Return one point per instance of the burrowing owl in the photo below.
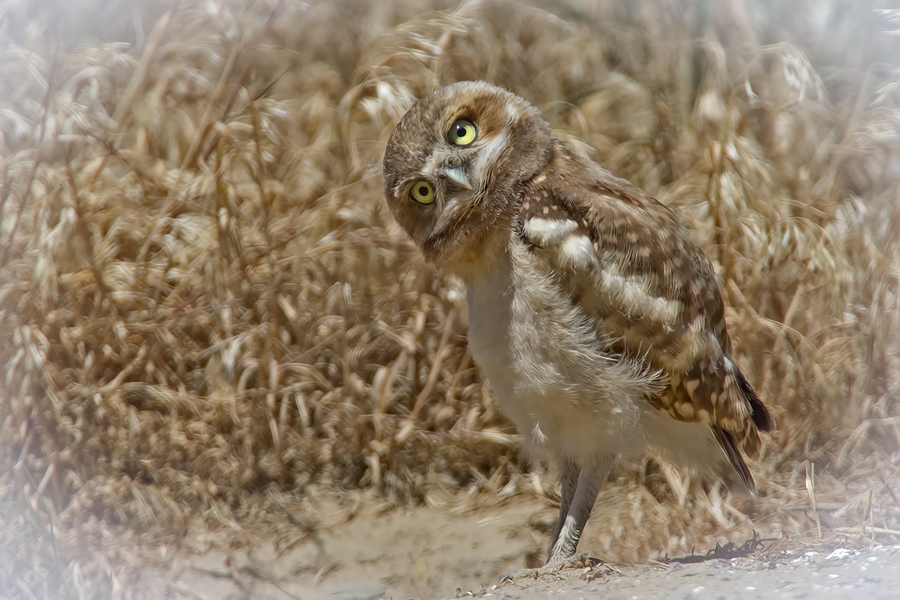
(594, 314)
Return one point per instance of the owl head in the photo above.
(454, 166)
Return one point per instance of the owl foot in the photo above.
(579, 561)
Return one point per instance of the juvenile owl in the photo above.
(594, 314)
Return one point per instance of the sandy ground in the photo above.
(417, 552)
(840, 574)
(427, 553)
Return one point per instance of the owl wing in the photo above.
(634, 268)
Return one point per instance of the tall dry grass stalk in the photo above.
(205, 305)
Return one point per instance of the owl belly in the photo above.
(549, 373)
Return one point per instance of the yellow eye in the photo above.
(463, 132)
(422, 192)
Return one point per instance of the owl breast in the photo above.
(555, 379)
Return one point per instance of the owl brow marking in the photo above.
(487, 156)
(511, 112)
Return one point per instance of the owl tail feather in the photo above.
(736, 476)
(762, 417)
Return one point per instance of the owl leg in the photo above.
(580, 486)
(568, 481)
(590, 480)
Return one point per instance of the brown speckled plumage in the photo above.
(638, 239)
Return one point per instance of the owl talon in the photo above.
(579, 561)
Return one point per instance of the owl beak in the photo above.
(459, 176)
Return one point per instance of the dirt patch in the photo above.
(418, 552)
(430, 552)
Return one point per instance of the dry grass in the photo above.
(204, 304)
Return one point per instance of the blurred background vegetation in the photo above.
(206, 310)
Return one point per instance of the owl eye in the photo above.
(422, 192)
(463, 132)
